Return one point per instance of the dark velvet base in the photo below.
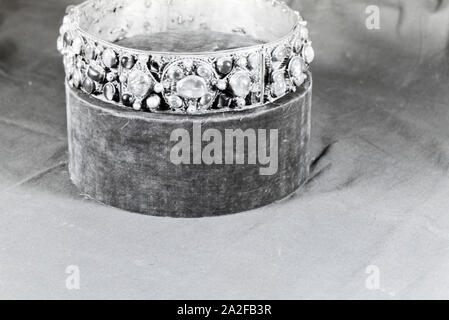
(122, 158)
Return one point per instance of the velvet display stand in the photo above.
(122, 158)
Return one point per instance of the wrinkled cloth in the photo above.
(378, 197)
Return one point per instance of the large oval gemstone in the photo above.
(139, 83)
(191, 87)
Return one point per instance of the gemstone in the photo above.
(204, 72)
(158, 88)
(296, 67)
(175, 102)
(175, 73)
(255, 61)
(77, 45)
(89, 52)
(127, 99)
(110, 91)
(308, 53)
(304, 33)
(188, 64)
(224, 65)
(206, 99)
(128, 62)
(279, 86)
(240, 102)
(300, 80)
(89, 85)
(111, 76)
(240, 84)
(68, 39)
(153, 102)
(77, 79)
(109, 58)
(280, 53)
(96, 73)
(242, 62)
(139, 83)
(222, 84)
(192, 108)
(60, 44)
(191, 87)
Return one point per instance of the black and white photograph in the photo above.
(224, 150)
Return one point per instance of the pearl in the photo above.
(128, 99)
(137, 105)
(139, 83)
(175, 102)
(128, 62)
(241, 84)
(224, 65)
(204, 72)
(158, 87)
(308, 53)
(110, 91)
(109, 58)
(89, 85)
(222, 85)
(153, 102)
(96, 73)
(191, 87)
(206, 99)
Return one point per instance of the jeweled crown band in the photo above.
(192, 82)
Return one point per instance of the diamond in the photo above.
(191, 87)
(139, 83)
(241, 84)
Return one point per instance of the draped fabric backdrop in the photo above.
(378, 198)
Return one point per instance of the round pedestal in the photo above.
(188, 165)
